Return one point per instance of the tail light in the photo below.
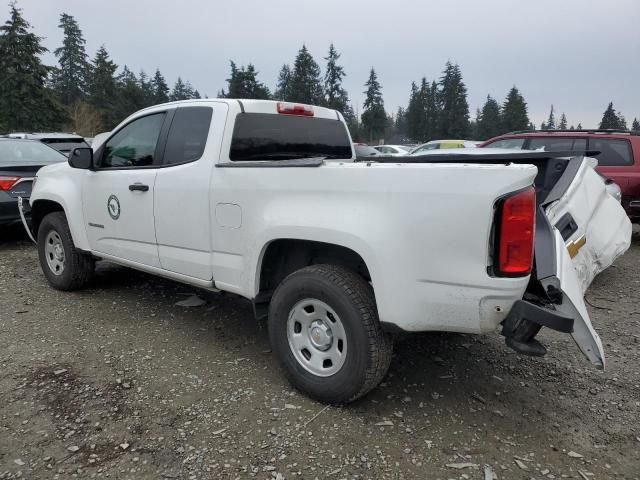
(516, 233)
(7, 182)
(295, 109)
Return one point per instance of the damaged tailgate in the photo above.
(581, 230)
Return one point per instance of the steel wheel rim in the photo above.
(54, 252)
(317, 337)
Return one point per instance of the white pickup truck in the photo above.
(266, 200)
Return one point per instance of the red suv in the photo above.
(619, 157)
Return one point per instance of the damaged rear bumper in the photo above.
(525, 321)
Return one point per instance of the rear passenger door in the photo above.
(182, 194)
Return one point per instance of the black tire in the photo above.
(78, 266)
(369, 349)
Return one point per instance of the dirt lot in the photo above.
(117, 381)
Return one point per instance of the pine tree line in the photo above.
(91, 95)
(80, 94)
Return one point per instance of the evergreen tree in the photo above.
(335, 95)
(180, 91)
(563, 122)
(453, 106)
(189, 91)
(489, 120)
(101, 87)
(374, 118)
(130, 96)
(635, 126)
(69, 80)
(432, 111)
(146, 89)
(415, 114)
(611, 119)
(159, 88)
(622, 122)
(543, 126)
(400, 125)
(305, 83)
(243, 83)
(551, 121)
(25, 101)
(514, 113)
(579, 127)
(283, 87)
(572, 127)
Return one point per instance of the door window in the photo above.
(188, 135)
(135, 144)
(558, 144)
(516, 143)
(613, 151)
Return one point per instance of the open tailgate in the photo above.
(589, 229)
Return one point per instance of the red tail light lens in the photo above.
(517, 226)
(295, 109)
(7, 182)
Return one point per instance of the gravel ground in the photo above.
(117, 381)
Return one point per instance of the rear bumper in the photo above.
(525, 321)
(9, 213)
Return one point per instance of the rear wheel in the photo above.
(324, 331)
(64, 266)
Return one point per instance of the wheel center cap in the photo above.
(58, 252)
(320, 335)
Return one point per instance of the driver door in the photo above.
(118, 194)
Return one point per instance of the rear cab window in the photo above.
(264, 136)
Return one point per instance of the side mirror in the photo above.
(81, 158)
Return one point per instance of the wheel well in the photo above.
(39, 210)
(285, 256)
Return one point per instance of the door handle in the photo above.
(139, 187)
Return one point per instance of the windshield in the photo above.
(18, 152)
(263, 136)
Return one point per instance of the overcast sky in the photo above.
(577, 54)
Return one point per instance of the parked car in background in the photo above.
(63, 142)
(363, 150)
(618, 155)
(19, 162)
(392, 150)
(443, 144)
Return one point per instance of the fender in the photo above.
(62, 185)
(312, 234)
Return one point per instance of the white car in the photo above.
(392, 150)
(264, 199)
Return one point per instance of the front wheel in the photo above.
(64, 266)
(324, 331)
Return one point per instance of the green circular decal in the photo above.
(113, 207)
